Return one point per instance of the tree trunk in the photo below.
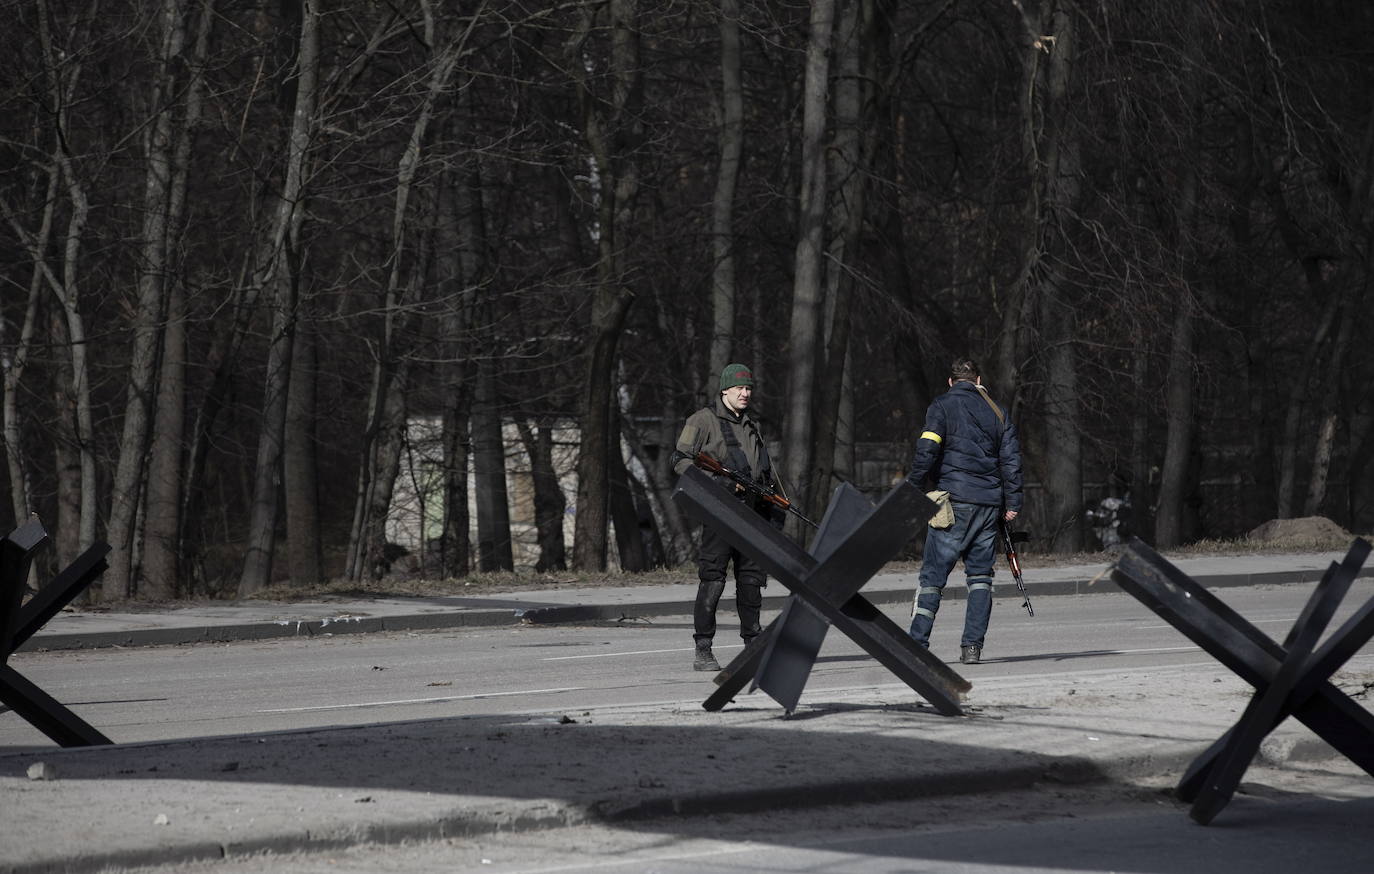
(389, 445)
(1321, 463)
(611, 136)
(723, 202)
(804, 334)
(221, 361)
(300, 463)
(1063, 424)
(456, 543)
(650, 541)
(455, 546)
(909, 337)
(266, 495)
(13, 363)
(489, 468)
(160, 577)
(161, 568)
(151, 309)
(629, 540)
(550, 505)
(494, 549)
(365, 537)
(1357, 489)
(849, 163)
(1352, 282)
(67, 453)
(1051, 159)
(1178, 441)
(1301, 378)
(661, 480)
(1180, 415)
(1329, 404)
(281, 274)
(1018, 303)
(593, 462)
(1045, 69)
(1141, 488)
(386, 434)
(68, 293)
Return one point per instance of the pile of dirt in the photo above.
(1309, 531)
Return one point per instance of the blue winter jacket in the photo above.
(968, 452)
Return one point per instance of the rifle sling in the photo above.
(739, 458)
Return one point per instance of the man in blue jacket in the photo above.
(971, 450)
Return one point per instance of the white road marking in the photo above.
(424, 700)
(609, 655)
(647, 856)
(1154, 649)
(1251, 621)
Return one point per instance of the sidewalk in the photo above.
(256, 620)
(210, 798)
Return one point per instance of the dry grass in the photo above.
(401, 586)
(414, 586)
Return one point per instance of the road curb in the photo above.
(269, 630)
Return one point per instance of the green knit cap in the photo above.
(736, 374)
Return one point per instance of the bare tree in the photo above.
(300, 459)
(549, 501)
(1178, 444)
(489, 465)
(494, 551)
(279, 271)
(150, 308)
(634, 557)
(1353, 217)
(64, 71)
(611, 130)
(1053, 166)
(849, 167)
(45, 201)
(805, 334)
(454, 543)
(14, 360)
(385, 430)
(723, 289)
(161, 554)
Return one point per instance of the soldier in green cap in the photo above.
(727, 432)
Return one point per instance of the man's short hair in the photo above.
(964, 368)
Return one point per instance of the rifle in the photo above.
(710, 465)
(1009, 540)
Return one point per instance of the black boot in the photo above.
(704, 660)
(970, 655)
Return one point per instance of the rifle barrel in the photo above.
(707, 462)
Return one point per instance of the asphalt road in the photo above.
(1072, 831)
(159, 693)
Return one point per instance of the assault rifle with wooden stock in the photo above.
(710, 465)
(1009, 540)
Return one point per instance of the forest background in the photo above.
(248, 246)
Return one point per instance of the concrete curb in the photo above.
(269, 630)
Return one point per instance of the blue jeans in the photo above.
(973, 538)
